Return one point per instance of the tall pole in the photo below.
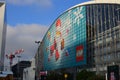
(11, 65)
(18, 67)
(37, 62)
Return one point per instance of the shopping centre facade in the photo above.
(85, 36)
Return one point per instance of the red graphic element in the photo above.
(79, 53)
(58, 23)
(57, 55)
(52, 50)
(53, 47)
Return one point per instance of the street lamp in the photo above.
(18, 65)
(37, 42)
(36, 62)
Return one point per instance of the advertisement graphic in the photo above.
(65, 41)
(79, 53)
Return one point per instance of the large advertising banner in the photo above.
(65, 41)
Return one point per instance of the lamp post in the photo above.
(38, 42)
(18, 66)
(37, 62)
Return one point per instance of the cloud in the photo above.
(24, 36)
(44, 3)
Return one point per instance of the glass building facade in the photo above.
(64, 45)
(103, 34)
(85, 35)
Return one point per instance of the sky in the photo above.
(28, 21)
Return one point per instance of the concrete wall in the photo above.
(29, 73)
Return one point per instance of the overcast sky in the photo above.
(28, 21)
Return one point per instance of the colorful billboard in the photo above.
(65, 41)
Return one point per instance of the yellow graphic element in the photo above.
(58, 33)
(48, 34)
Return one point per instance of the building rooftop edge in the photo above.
(96, 2)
